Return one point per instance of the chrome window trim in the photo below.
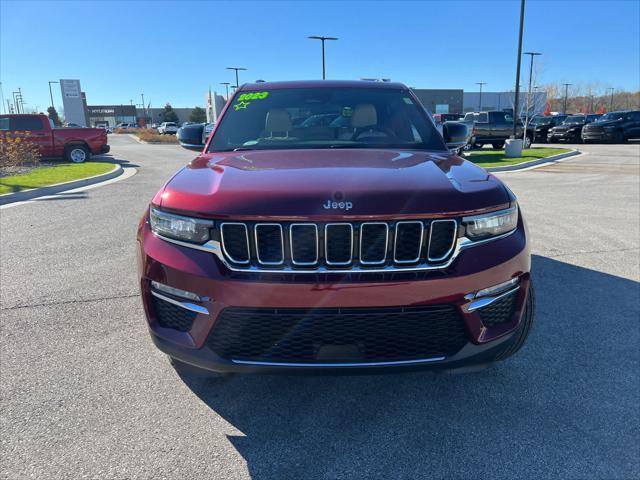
(395, 241)
(326, 257)
(214, 247)
(255, 236)
(453, 240)
(246, 236)
(329, 365)
(386, 242)
(186, 305)
(291, 227)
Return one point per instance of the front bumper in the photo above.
(563, 136)
(202, 273)
(105, 149)
(599, 136)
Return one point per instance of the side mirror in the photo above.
(190, 137)
(456, 135)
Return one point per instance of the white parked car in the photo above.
(167, 127)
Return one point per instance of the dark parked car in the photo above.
(289, 248)
(447, 117)
(493, 127)
(570, 129)
(190, 136)
(539, 126)
(615, 127)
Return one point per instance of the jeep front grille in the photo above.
(338, 245)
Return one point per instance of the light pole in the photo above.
(2, 98)
(322, 39)
(226, 84)
(236, 70)
(566, 93)
(611, 102)
(516, 100)
(144, 110)
(480, 101)
(526, 115)
(51, 93)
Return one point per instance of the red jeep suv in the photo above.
(355, 242)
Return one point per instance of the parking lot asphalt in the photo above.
(84, 394)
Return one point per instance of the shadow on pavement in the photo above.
(566, 406)
(106, 157)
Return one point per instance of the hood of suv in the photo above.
(330, 183)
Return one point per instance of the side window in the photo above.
(483, 117)
(634, 116)
(4, 123)
(26, 123)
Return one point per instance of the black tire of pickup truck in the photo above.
(77, 154)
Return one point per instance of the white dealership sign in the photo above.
(72, 101)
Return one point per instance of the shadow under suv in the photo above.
(362, 243)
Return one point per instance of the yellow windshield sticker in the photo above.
(245, 99)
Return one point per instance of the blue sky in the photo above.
(173, 51)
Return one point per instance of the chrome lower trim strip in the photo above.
(453, 240)
(329, 365)
(186, 305)
(213, 246)
(486, 301)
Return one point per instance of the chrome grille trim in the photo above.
(255, 234)
(453, 240)
(395, 241)
(386, 242)
(326, 243)
(246, 236)
(293, 256)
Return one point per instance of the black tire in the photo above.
(498, 145)
(524, 329)
(77, 154)
(524, 142)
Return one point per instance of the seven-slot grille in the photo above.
(338, 245)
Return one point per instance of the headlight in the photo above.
(491, 224)
(181, 228)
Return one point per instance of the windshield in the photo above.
(539, 120)
(325, 118)
(609, 117)
(575, 119)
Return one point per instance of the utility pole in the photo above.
(2, 98)
(480, 101)
(566, 93)
(517, 99)
(611, 102)
(51, 94)
(526, 115)
(21, 99)
(322, 39)
(236, 69)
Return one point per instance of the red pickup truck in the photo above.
(74, 144)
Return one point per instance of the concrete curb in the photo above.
(534, 163)
(59, 187)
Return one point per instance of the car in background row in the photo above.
(571, 128)
(73, 144)
(614, 127)
(447, 117)
(539, 126)
(493, 127)
(126, 126)
(167, 128)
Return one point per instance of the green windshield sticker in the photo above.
(245, 99)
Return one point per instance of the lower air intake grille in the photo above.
(172, 316)
(500, 311)
(333, 335)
